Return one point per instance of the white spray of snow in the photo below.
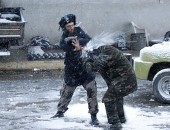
(100, 40)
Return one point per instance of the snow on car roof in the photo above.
(156, 52)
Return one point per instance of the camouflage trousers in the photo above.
(68, 91)
(115, 111)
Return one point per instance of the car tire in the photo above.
(161, 86)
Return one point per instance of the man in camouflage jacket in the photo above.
(120, 78)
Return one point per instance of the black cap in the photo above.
(67, 19)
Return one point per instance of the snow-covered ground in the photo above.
(28, 104)
(78, 119)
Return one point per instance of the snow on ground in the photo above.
(29, 104)
(77, 118)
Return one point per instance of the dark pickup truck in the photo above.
(12, 26)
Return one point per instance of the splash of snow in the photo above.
(100, 40)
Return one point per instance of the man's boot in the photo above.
(123, 120)
(112, 115)
(58, 114)
(115, 126)
(94, 121)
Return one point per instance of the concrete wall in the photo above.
(96, 16)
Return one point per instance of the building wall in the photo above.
(95, 16)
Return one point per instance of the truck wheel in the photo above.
(161, 86)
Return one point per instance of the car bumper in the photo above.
(142, 68)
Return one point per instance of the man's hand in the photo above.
(67, 39)
(76, 44)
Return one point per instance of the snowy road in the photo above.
(27, 102)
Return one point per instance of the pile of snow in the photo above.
(156, 53)
(5, 18)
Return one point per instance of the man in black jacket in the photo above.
(72, 41)
(120, 78)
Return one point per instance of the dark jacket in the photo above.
(74, 73)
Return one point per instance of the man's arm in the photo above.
(64, 45)
(84, 38)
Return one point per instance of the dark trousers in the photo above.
(68, 91)
(115, 111)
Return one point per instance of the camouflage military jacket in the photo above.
(116, 70)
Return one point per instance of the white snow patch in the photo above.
(36, 69)
(9, 15)
(77, 118)
(6, 21)
(157, 51)
(35, 50)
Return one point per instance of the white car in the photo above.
(154, 64)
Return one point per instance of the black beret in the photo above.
(67, 19)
